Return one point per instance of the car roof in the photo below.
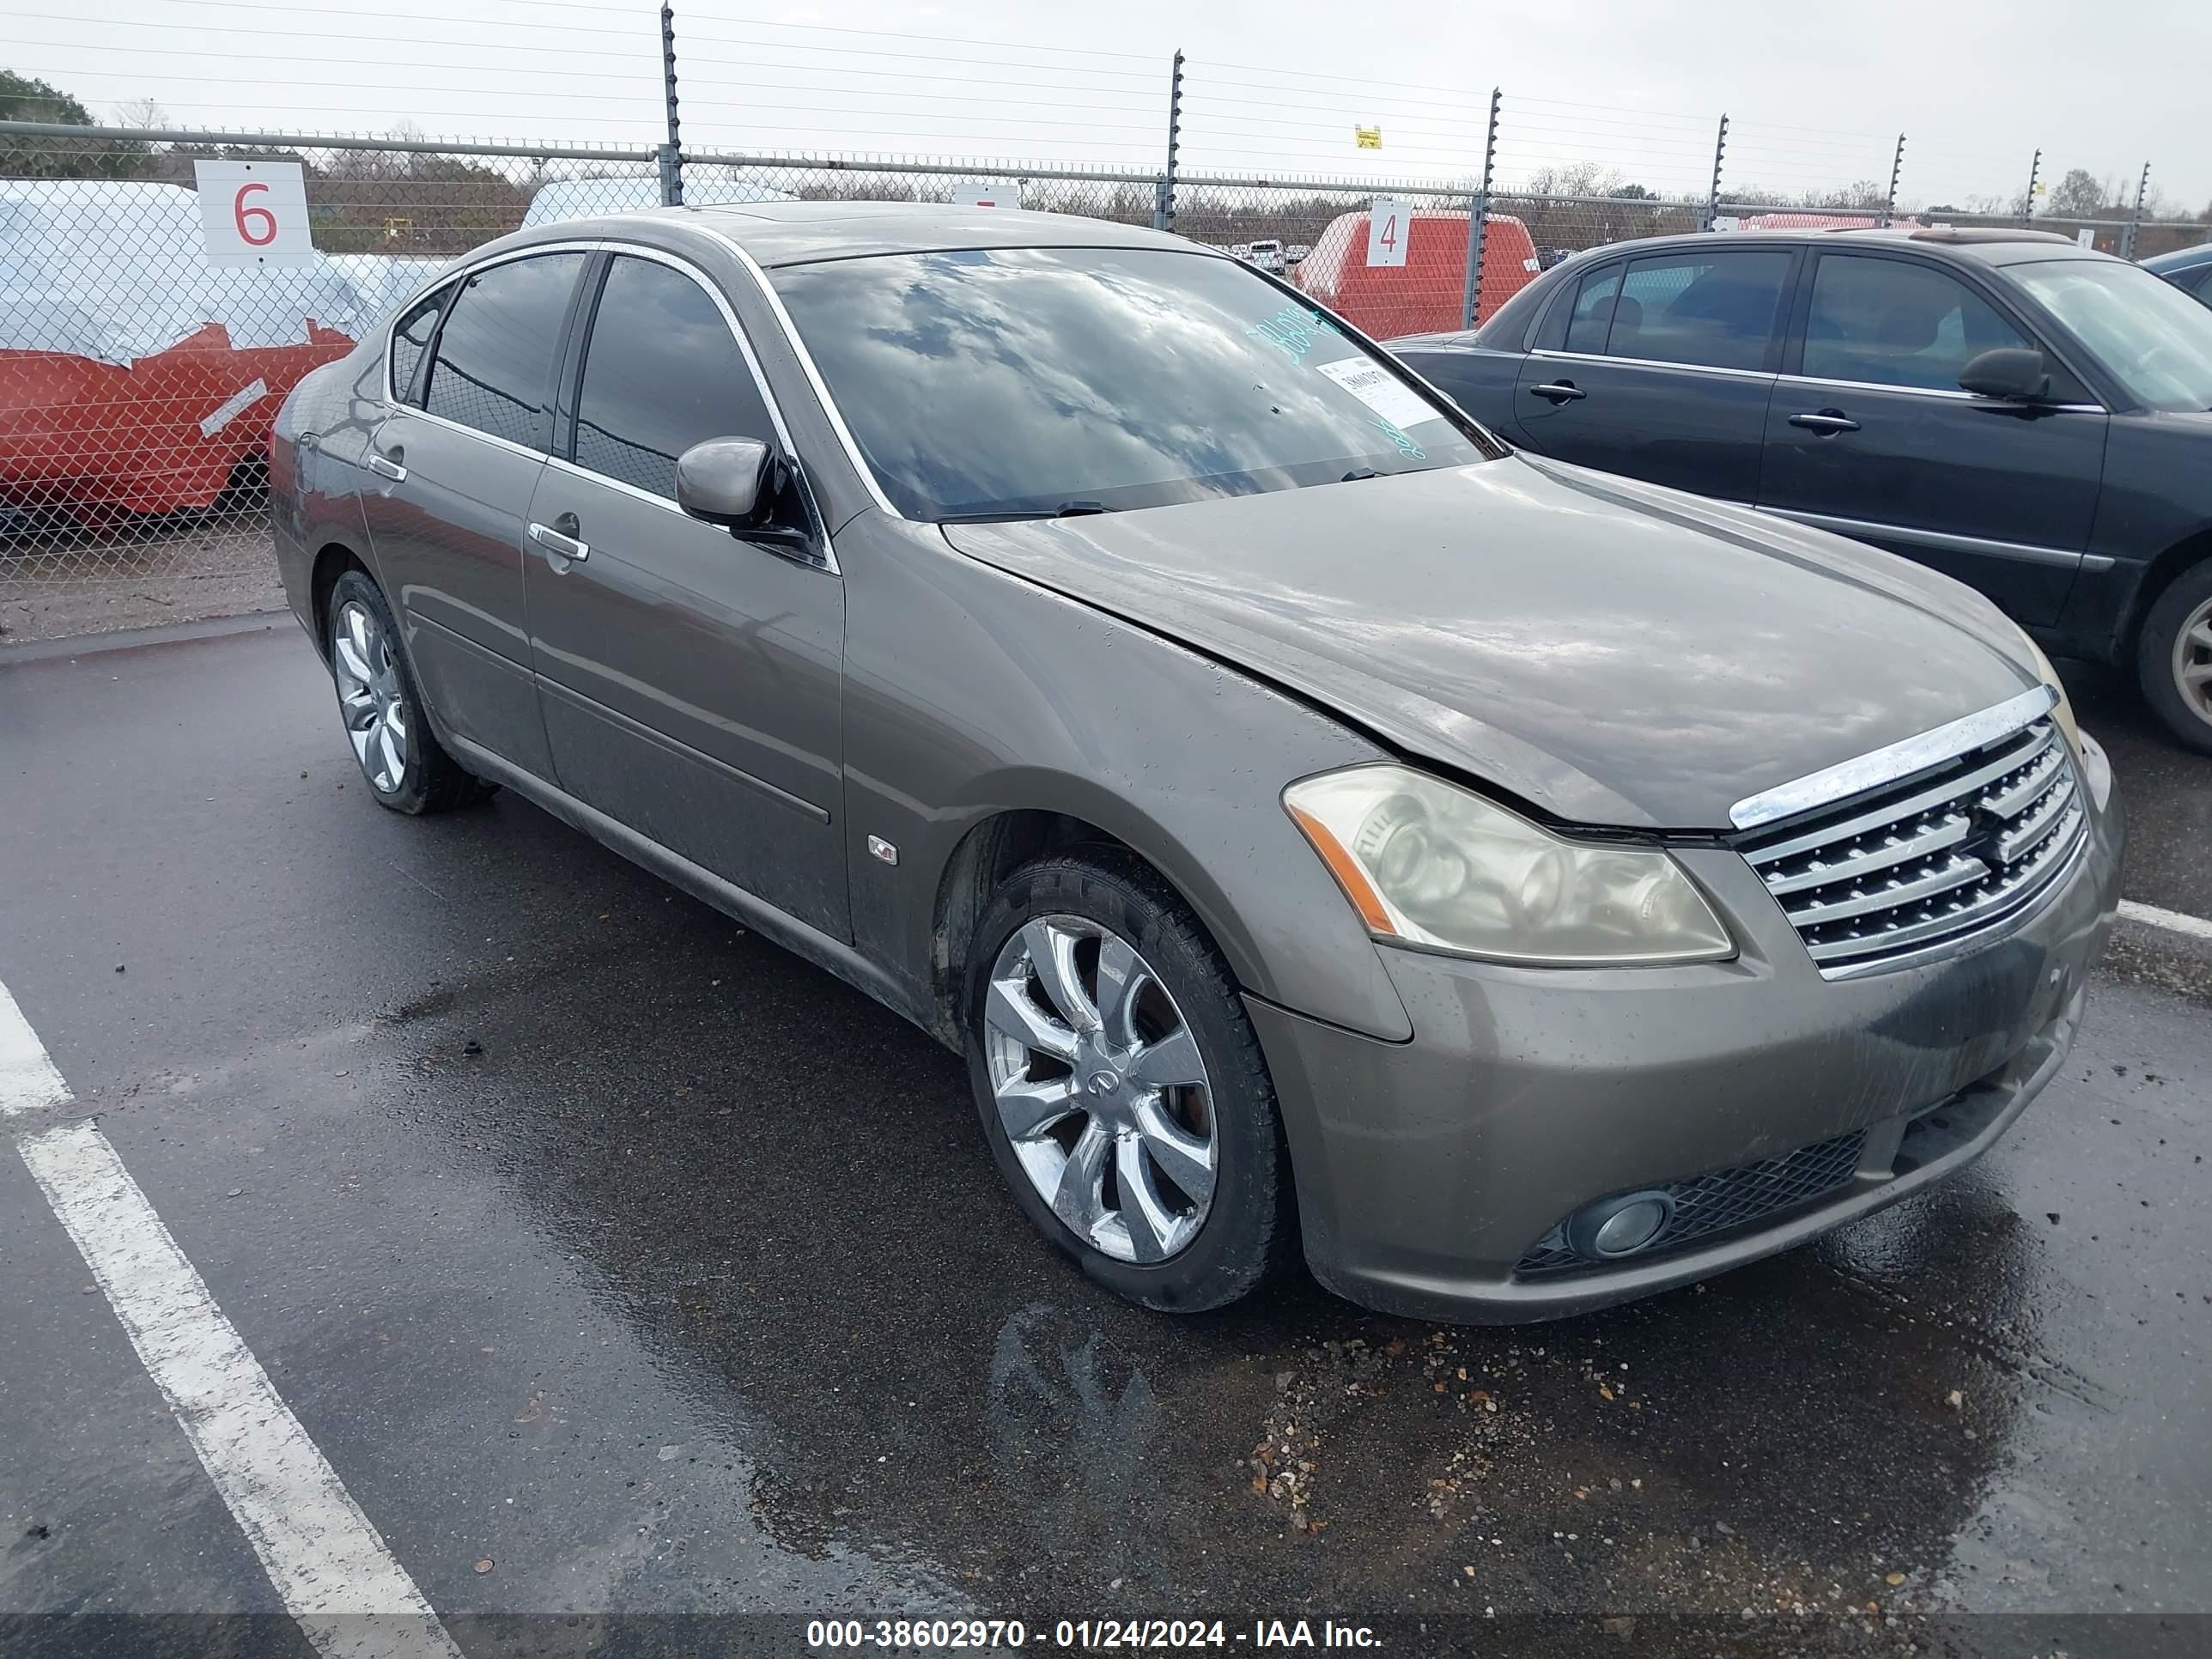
(1994, 244)
(2182, 258)
(801, 232)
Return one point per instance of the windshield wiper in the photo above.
(1065, 510)
(1359, 472)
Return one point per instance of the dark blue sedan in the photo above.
(2189, 269)
(2023, 414)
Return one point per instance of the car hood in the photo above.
(1612, 652)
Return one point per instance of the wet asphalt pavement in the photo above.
(620, 1262)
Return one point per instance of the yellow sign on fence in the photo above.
(1368, 137)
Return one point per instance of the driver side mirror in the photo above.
(733, 482)
(2013, 373)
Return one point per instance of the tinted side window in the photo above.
(1896, 324)
(1593, 312)
(1716, 310)
(493, 369)
(410, 339)
(661, 373)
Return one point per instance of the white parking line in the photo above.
(2172, 921)
(334, 1571)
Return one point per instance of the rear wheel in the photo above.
(1120, 1086)
(381, 706)
(2173, 658)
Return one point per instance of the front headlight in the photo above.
(2063, 711)
(1426, 863)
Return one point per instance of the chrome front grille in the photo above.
(1936, 858)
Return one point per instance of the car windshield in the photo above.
(1031, 382)
(2151, 337)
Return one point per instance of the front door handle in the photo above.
(388, 466)
(1828, 421)
(560, 542)
(1559, 392)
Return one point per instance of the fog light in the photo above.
(1621, 1226)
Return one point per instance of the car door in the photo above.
(455, 460)
(1870, 434)
(688, 677)
(1661, 367)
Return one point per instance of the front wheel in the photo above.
(1120, 1086)
(2173, 658)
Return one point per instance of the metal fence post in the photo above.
(2034, 177)
(1478, 222)
(672, 153)
(1896, 172)
(1720, 153)
(1163, 208)
(2135, 223)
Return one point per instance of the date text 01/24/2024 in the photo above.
(1083, 1635)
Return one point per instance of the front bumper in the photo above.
(1428, 1170)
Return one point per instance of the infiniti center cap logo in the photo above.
(1104, 1083)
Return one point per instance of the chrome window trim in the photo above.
(1942, 392)
(461, 273)
(677, 262)
(2001, 294)
(492, 438)
(1652, 363)
(807, 366)
(2026, 552)
(1896, 761)
(827, 563)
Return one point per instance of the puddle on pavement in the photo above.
(784, 1193)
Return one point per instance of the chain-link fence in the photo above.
(139, 378)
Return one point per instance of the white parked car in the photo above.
(1267, 256)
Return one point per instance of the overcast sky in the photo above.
(1816, 93)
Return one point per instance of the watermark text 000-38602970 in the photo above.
(1086, 1635)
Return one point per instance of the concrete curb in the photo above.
(129, 639)
(2162, 947)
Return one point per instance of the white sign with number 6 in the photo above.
(254, 213)
(1386, 232)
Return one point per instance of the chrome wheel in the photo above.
(2192, 662)
(369, 697)
(1100, 1088)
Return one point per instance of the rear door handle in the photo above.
(384, 466)
(554, 542)
(1559, 392)
(1828, 421)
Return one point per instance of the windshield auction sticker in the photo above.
(1381, 390)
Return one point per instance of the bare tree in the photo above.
(142, 112)
(1577, 178)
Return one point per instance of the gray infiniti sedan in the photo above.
(1322, 829)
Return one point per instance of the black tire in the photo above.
(432, 780)
(1249, 1226)
(2184, 598)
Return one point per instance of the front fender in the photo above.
(971, 692)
